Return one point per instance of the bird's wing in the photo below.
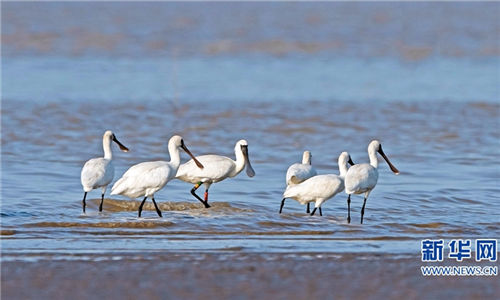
(360, 178)
(216, 168)
(138, 178)
(320, 186)
(93, 173)
(297, 173)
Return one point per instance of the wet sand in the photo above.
(235, 276)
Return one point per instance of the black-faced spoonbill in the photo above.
(99, 172)
(145, 179)
(362, 178)
(300, 172)
(217, 168)
(319, 188)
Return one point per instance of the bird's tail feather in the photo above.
(118, 187)
(288, 191)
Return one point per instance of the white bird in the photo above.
(362, 178)
(319, 188)
(300, 172)
(217, 168)
(99, 172)
(146, 178)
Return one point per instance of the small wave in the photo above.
(278, 224)
(7, 232)
(428, 225)
(490, 227)
(351, 126)
(16, 214)
(388, 238)
(217, 212)
(448, 137)
(434, 228)
(139, 224)
(290, 131)
(466, 200)
(231, 249)
(485, 106)
(181, 234)
(248, 233)
(293, 232)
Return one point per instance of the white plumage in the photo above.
(319, 188)
(216, 168)
(146, 178)
(362, 178)
(299, 172)
(99, 172)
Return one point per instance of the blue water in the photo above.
(324, 77)
(264, 79)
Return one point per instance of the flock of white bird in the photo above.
(303, 183)
(305, 186)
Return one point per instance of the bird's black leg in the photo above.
(308, 210)
(363, 210)
(320, 212)
(193, 190)
(314, 210)
(158, 211)
(102, 200)
(83, 201)
(140, 206)
(348, 209)
(282, 204)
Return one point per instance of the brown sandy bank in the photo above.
(233, 275)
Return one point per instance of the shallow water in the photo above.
(441, 191)
(437, 116)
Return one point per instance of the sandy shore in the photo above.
(234, 276)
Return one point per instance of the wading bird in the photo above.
(362, 178)
(99, 172)
(145, 179)
(217, 168)
(319, 188)
(299, 172)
